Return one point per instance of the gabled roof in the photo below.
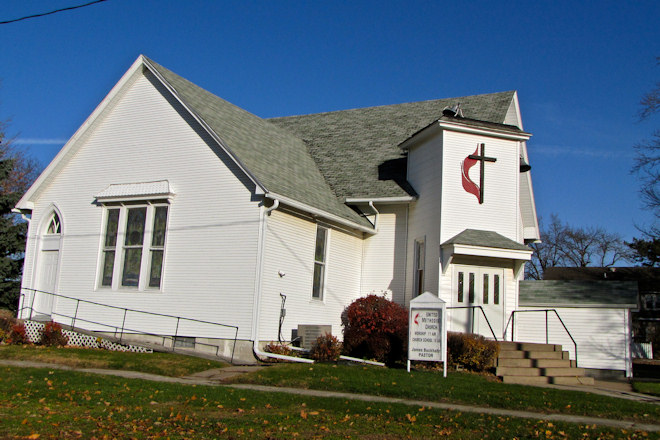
(312, 162)
(274, 157)
(358, 150)
(476, 237)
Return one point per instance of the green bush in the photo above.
(473, 352)
(52, 335)
(327, 348)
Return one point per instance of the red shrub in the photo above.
(52, 336)
(18, 335)
(376, 328)
(278, 349)
(327, 348)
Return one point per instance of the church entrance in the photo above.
(478, 286)
(48, 262)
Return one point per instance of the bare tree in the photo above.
(646, 249)
(563, 245)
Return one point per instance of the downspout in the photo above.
(376, 214)
(257, 296)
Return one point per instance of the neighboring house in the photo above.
(645, 319)
(171, 200)
(596, 315)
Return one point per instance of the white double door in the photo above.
(478, 300)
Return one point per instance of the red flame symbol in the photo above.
(468, 184)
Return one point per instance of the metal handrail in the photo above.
(123, 328)
(512, 321)
(482, 312)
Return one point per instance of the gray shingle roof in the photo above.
(323, 158)
(278, 159)
(578, 293)
(475, 237)
(358, 150)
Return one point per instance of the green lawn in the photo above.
(457, 387)
(652, 388)
(166, 364)
(56, 404)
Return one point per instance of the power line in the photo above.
(52, 12)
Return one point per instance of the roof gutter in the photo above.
(388, 200)
(318, 212)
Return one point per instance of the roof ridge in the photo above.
(393, 105)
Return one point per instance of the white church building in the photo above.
(172, 201)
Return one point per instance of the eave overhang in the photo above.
(383, 200)
(456, 125)
(319, 213)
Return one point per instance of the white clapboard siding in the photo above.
(460, 209)
(425, 174)
(384, 257)
(602, 334)
(289, 251)
(211, 243)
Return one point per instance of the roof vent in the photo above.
(455, 112)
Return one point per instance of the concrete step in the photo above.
(538, 363)
(517, 354)
(566, 371)
(532, 371)
(581, 380)
(528, 346)
(543, 380)
(518, 371)
(526, 380)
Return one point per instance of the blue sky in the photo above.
(580, 68)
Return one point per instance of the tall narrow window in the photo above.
(461, 282)
(109, 246)
(134, 239)
(471, 289)
(319, 262)
(496, 289)
(485, 289)
(157, 246)
(419, 267)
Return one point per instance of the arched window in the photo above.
(54, 225)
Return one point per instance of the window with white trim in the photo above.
(133, 246)
(320, 254)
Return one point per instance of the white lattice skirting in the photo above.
(33, 330)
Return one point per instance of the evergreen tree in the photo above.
(17, 172)
(12, 242)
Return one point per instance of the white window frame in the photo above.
(419, 266)
(120, 246)
(323, 264)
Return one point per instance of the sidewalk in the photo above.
(216, 377)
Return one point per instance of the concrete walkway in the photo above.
(216, 377)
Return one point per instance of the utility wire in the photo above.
(51, 12)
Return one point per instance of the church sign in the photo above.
(427, 330)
